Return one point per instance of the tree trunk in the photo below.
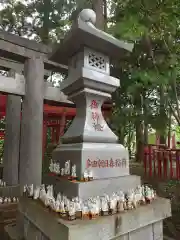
(105, 15)
(175, 110)
(163, 115)
(46, 20)
(129, 142)
(145, 133)
(145, 110)
(139, 128)
(139, 141)
(169, 130)
(121, 136)
(98, 6)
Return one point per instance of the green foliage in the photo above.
(14, 17)
(177, 132)
(154, 28)
(44, 20)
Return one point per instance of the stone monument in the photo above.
(89, 145)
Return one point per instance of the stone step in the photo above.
(93, 188)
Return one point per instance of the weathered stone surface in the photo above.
(18, 49)
(134, 222)
(12, 233)
(94, 188)
(89, 124)
(85, 34)
(158, 230)
(30, 167)
(10, 191)
(142, 233)
(124, 237)
(31, 231)
(16, 86)
(12, 140)
(105, 160)
(47, 222)
(89, 85)
(89, 143)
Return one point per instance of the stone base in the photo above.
(93, 188)
(12, 233)
(142, 223)
(103, 159)
(8, 215)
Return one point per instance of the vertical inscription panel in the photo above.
(95, 125)
(89, 124)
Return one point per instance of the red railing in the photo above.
(2, 135)
(161, 162)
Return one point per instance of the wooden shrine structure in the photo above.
(24, 91)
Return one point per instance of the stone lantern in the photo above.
(90, 145)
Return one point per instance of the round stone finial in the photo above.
(88, 15)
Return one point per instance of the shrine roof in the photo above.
(84, 33)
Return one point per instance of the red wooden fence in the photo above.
(1, 135)
(162, 162)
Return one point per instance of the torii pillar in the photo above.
(30, 168)
(12, 138)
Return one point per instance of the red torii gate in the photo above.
(55, 117)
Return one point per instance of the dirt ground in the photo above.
(165, 188)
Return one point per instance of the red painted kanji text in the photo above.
(118, 163)
(94, 104)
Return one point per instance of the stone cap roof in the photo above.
(84, 33)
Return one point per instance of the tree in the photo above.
(14, 18)
(98, 6)
(154, 28)
(45, 21)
